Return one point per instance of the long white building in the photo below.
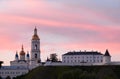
(24, 61)
(86, 57)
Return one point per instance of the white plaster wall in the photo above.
(106, 59)
(12, 73)
(82, 58)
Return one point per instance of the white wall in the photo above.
(12, 72)
(82, 58)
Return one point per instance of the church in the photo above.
(24, 61)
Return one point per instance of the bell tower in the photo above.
(35, 47)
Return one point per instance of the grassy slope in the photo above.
(55, 72)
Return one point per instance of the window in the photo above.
(87, 60)
(36, 46)
(75, 60)
(68, 61)
(35, 55)
(90, 60)
(97, 60)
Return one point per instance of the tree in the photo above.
(53, 57)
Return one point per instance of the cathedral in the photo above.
(23, 61)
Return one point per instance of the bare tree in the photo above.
(53, 57)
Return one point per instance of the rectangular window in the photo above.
(75, 60)
(68, 61)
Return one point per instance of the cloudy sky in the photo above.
(63, 25)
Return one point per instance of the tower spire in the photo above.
(35, 31)
(22, 47)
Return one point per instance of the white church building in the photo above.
(23, 61)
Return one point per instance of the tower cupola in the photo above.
(16, 56)
(107, 57)
(28, 56)
(22, 54)
(22, 51)
(35, 36)
(107, 53)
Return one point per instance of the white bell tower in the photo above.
(35, 47)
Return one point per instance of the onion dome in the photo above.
(28, 54)
(22, 51)
(35, 36)
(16, 55)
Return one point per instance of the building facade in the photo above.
(12, 71)
(90, 57)
(82, 58)
(24, 61)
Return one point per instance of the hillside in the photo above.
(77, 72)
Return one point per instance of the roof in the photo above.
(107, 53)
(35, 36)
(22, 51)
(84, 53)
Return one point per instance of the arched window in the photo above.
(35, 55)
(35, 46)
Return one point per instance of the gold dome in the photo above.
(35, 37)
(22, 51)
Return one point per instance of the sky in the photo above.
(63, 26)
